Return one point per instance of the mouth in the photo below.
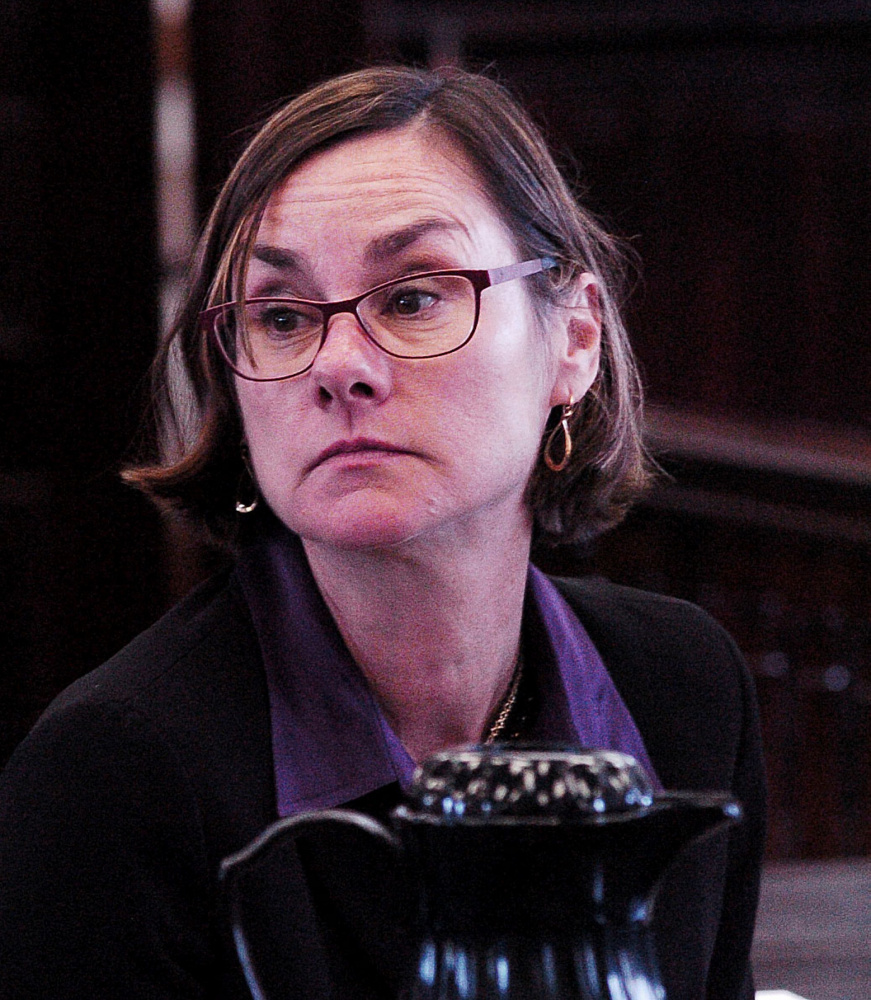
(355, 447)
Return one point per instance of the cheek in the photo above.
(504, 401)
(269, 415)
(263, 405)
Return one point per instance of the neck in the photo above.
(434, 627)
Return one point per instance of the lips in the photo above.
(355, 446)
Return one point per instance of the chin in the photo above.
(357, 526)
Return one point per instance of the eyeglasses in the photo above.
(420, 316)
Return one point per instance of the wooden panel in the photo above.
(737, 171)
(796, 595)
(79, 553)
(249, 57)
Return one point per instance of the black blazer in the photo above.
(117, 810)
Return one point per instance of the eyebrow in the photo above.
(393, 244)
(378, 249)
(277, 257)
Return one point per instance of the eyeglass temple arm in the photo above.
(511, 271)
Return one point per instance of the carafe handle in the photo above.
(265, 887)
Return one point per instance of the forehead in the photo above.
(385, 192)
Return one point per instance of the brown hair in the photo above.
(196, 420)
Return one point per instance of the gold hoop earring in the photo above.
(246, 506)
(563, 425)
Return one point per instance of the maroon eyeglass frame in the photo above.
(479, 280)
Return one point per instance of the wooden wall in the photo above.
(79, 554)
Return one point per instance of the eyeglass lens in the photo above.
(413, 318)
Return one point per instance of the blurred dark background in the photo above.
(728, 142)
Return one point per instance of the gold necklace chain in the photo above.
(500, 720)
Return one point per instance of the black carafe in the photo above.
(533, 872)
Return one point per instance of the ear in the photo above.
(577, 341)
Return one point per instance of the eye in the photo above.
(411, 301)
(281, 320)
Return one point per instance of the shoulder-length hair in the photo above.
(196, 421)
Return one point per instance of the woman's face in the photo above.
(368, 450)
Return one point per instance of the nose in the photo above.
(349, 368)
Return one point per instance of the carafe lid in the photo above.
(516, 780)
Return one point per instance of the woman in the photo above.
(399, 359)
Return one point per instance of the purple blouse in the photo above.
(331, 742)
